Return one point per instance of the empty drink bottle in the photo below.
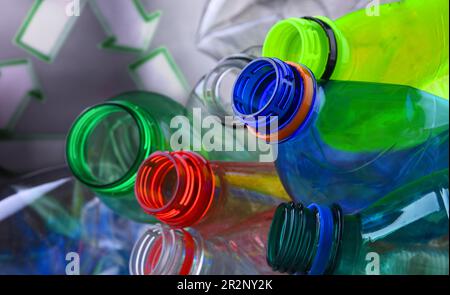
(210, 104)
(340, 141)
(405, 43)
(40, 222)
(167, 251)
(406, 232)
(108, 142)
(183, 189)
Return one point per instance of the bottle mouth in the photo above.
(176, 187)
(163, 251)
(274, 98)
(107, 143)
(301, 239)
(309, 41)
(218, 87)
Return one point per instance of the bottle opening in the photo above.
(298, 40)
(106, 145)
(176, 187)
(218, 86)
(163, 251)
(301, 239)
(269, 90)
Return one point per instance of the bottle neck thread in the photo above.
(96, 152)
(165, 251)
(304, 240)
(178, 188)
(216, 94)
(311, 41)
(274, 98)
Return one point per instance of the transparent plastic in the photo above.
(404, 233)
(48, 218)
(339, 141)
(106, 240)
(212, 98)
(39, 222)
(107, 143)
(182, 189)
(230, 26)
(166, 251)
(405, 43)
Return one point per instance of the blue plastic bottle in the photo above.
(342, 142)
(405, 232)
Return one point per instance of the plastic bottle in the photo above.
(48, 219)
(182, 189)
(39, 222)
(212, 97)
(227, 27)
(405, 43)
(404, 233)
(106, 240)
(339, 141)
(166, 251)
(108, 142)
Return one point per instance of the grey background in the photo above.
(82, 75)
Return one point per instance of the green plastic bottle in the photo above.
(406, 43)
(404, 233)
(108, 142)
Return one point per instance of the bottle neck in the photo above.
(215, 89)
(275, 99)
(107, 143)
(178, 188)
(305, 240)
(260, 177)
(315, 42)
(165, 251)
(182, 188)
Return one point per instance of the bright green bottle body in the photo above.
(405, 43)
(412, 36)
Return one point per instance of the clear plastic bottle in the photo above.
(340, 141)
(106, 239)
(48, 214)
(39, 222)
(167, 251)
(405, 43)
(213, 97)
(182, 189)
(230, 26)
(404, 233)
